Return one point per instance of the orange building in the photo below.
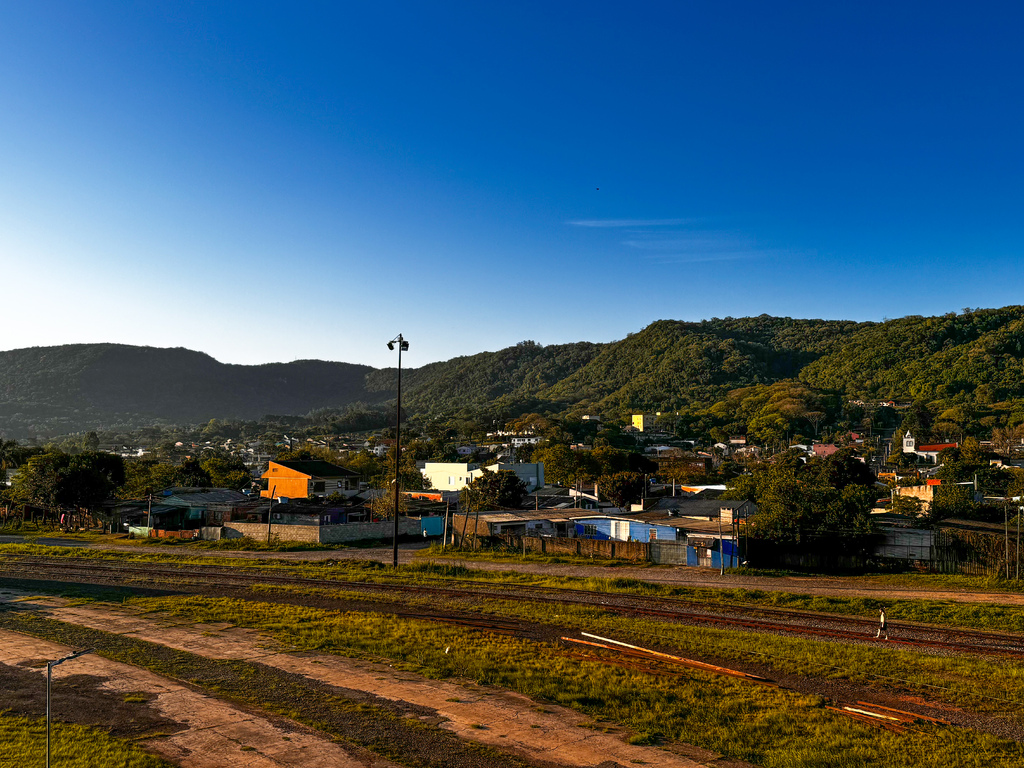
(306, 479)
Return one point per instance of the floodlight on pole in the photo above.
(403, 346)
(49, 679)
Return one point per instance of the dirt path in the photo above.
(499, 719)
(216, 733)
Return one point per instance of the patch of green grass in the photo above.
(643, 738)
(954, 581)
(986, 616)
(984, 684)
(23, 742)
(764, 726)
(382, 726)
(509, 555)
(252, 545)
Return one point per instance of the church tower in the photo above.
(909, 443)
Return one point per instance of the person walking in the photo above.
(882, 626)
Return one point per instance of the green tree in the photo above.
(91, 442)
(190, 474)
(622, 488)
(795, 502)
(609, 460)
(908, 506)
(57, 479)
(839, 470)
(409, 475)
(366, 464)
(560, 464)
(494, 490)
(144, 477)
(383, 506)
(226, 472)
(308, 453)
(953, 501)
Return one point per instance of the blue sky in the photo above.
(270, 181)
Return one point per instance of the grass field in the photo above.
(984, 616)
(982, 684)
(383, 727)
(23, 743)
(693, 708)
(506, 555)
(765, 726)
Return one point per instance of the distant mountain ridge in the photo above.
(84, 386)
(974, 355)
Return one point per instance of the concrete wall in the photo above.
(309, 534)
(333, 534)
(926, 493)
(323, 534)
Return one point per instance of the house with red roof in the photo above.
(928, 451)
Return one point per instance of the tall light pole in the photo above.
(49, 678)
(403, 345)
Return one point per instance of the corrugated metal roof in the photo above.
(317, 468)
(204, 497)
(513, 515)
(696, 507)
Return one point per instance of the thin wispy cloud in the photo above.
(632, 222)
(682, 241)
(724, 255)
(706, 242)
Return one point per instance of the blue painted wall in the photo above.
(432, 526)
(637, 531)
(603, 524)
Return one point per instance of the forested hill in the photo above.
(974, 356)
(978, 355)
(671, 364)
(502, 380)
(53, 390)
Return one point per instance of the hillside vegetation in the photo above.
(965, 367)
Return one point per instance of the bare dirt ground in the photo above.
(201, 731)
(496, 718)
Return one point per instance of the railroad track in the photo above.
(679, 610)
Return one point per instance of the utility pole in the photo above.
(476, 522)
(1006, 536)
(721, 545)
(270, 509)
(402, 346)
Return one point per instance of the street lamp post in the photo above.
(403, 345)
(49, 678)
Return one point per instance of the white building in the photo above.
(520, 440)
(454, 476)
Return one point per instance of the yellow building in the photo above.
(306, 479)
(643, 422)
